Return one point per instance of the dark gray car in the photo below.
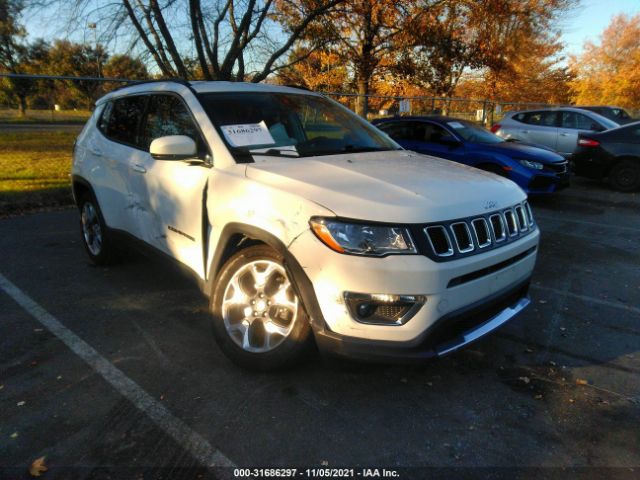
(556, 128)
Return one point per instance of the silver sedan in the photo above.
(556, 128)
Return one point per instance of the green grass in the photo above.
(44, 116)
(34, 170)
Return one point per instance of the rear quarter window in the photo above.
(120, 119)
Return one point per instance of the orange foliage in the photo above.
(609, 72)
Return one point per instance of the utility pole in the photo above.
(94, 26)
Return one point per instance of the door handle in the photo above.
(563, 134)
(525, 131)
(138, 168)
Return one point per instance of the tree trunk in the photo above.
(362, 102)
(22, 105)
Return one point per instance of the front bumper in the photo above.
(450, 288)
(449, 334)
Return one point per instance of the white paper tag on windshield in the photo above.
(455, 125)
(247, 134)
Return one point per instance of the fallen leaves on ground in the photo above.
(38, 467)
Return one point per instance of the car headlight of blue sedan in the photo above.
(531, 164)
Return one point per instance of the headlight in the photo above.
(362, 239)
(531, 164)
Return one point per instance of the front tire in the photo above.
(94, 233)
(258, 320)
(625, 176)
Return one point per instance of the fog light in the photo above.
(383, 309)
(366, 309)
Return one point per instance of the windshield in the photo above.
(473, 133)
(257, 123)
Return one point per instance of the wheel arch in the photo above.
(80, 186)
(237, 236)
(620, 159)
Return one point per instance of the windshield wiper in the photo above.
(351, 149)
(364, 148)
(271, 152)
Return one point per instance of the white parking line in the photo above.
(585, 298)
(188, 439)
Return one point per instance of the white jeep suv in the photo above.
(301, 220)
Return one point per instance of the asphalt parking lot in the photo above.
(131, 384)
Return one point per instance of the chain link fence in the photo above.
(44, 98)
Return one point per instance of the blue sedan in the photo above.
(537, 170)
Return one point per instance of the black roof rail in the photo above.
(301, 87)
(181, 81)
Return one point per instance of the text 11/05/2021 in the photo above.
(321, 472)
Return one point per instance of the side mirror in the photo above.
(173, 147)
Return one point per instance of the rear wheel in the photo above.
(625, 176)
(95, 236)
(258, 320)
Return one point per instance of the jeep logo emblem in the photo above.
(490, 204)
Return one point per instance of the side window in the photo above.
(121, 118)
(578, 121)
(544, 119)
(619, 113)
(436, 133)
(167, 115)
(399, 130)
(103, 122)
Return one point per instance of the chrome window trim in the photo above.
(475, 231)
(446, 234)
(471, 246)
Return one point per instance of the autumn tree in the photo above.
(608, 72)
(511, 42)
(15, 55)
(125, 66)
(78, 60)
(364, 35)
(320, 70)
(229, 39)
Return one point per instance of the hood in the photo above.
(395, 186)
(523, 151)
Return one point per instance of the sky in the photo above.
(589, 20)
(585, 22)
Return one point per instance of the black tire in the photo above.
(625, 176)
(290, 348)
(94, 232)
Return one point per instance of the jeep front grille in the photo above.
(462, 237)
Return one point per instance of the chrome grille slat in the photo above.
(502, 234)
(433, 240)
(523, 225)
(464, 245)
(481, 224)
(465, 236)
(527, 208)
(510, 222)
